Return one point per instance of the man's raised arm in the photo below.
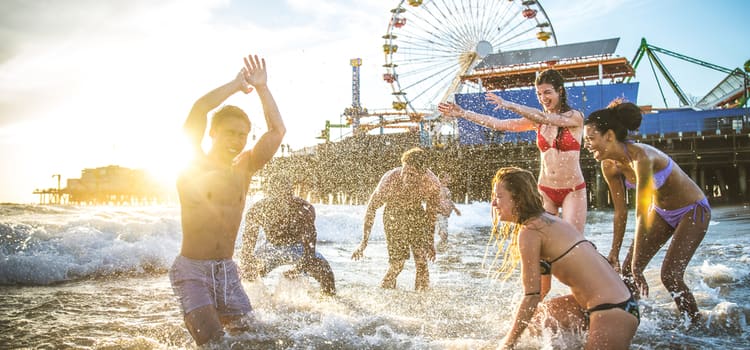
(269, 142)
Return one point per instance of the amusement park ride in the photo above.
(436, 50)
(430, 45)
(732, 88)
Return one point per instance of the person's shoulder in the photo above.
(433, 181)
(243, 160)
(390, 176)
(573, 113)
(199, 162)
(609, 167)
(531, 233)
(194, 168)
(301, 202)
(393, 172)
(647, 154)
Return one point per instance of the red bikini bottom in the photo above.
(557, 195)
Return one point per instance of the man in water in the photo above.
(289, 226)
(212, 192)
(408, 225)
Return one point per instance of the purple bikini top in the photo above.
(660, 177)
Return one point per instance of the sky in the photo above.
(91, 83)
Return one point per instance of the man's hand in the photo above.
(359, 252)
(255, 71)
(240, 80)
(429, 252)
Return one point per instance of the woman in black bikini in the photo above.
(543, 243)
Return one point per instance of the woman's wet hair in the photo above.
(554, 78)
(619, 116)
(522, 186)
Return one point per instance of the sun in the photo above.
(166, 163)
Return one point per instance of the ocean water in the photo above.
(96, 277)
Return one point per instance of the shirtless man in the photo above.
(288, 223)
(408, 226)
(212, 194)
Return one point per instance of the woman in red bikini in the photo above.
(559, 130)
(668, 203)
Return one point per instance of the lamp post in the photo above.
(747, 71)
(57, 194)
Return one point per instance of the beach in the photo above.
(96, 277)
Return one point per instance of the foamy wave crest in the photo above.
(727, 317)
(56, 246)
(715, 275)
(343, 224)
(338, 223)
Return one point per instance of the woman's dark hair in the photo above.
(554, 78)
(619, 116)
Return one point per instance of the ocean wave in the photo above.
(71, 245)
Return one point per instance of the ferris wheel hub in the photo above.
(484, 48)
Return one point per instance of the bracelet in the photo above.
(531, 294)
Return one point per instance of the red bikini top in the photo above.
(563, 142)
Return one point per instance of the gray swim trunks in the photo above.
(199, 283)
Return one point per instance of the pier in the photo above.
(347, 172)
(109, 185)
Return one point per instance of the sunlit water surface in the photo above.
(96, 278)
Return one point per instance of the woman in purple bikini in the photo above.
(668, 202)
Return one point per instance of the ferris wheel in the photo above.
(431, 44)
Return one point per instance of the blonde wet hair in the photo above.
(521, 185)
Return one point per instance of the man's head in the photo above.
(230, 126)
(413, 166)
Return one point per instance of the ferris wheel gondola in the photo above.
(429, 45)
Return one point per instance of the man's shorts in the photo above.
(405, 231)
(274, 256)
(198, 283)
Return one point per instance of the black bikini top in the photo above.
(546, 266)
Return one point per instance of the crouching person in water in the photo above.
(545, 244)
(289, 226)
